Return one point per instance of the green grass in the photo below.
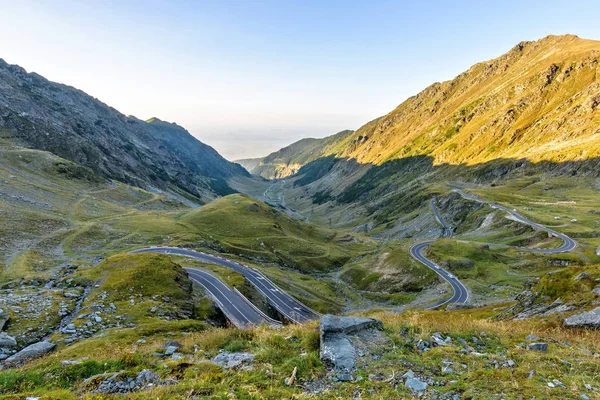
(279, 351)
(393, 270)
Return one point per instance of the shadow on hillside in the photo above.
(402, 183)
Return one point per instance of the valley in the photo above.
(450, 242)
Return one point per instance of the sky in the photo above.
(249, 77)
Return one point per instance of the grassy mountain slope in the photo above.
(531, 111)
(288, 160)
(538, 101)
(67, 122)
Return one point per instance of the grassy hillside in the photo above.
(484, 356)
(532, 111)
(538, 101)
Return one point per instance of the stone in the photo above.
(145, 378)
(170, 350)
(588, 319)
(4, 316)
(582, 276)
(336, 324)
(416, 385)
(232, 360)
(7, 340)
(596, 290)
(30, 352)
(511, 364)
(538, 346)
(345, 377)
(532, 338)
(446, 369)
(337, 349)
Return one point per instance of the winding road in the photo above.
(287, 305)
(568, 243)
(461, 294)
(236, 307)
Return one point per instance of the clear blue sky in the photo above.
(248, 77)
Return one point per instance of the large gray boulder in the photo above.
(29, 353)
(338, 337)
(588, 319)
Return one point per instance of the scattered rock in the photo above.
(582, 276)
(30, 352)
(73, 362)
(416, 385)
(233, 360)
(345, 377)
(532, 338)
(121, 383)
(596, 290)
(588, 319)
(3, 318)
(7, 340)
(538, 346)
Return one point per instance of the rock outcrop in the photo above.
(588, 319)
(29, 353)
(341, 335)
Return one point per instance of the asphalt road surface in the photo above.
(236, 308)
(461, 294)
(287, 305)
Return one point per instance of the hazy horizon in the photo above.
(248, 78)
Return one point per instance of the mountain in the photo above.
(288, 160)
(539, 101)
(71, 124)
(248, 163)
(533, 110)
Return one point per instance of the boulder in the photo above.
(232, 360)
(582, 276)
(30, 352)
(539, 346)
(7, 340)
(337, 335)
(588, 319)
(336, 324)
(415, 385)
(3, 318)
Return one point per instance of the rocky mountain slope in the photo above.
(288, 160)
(67, 122)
